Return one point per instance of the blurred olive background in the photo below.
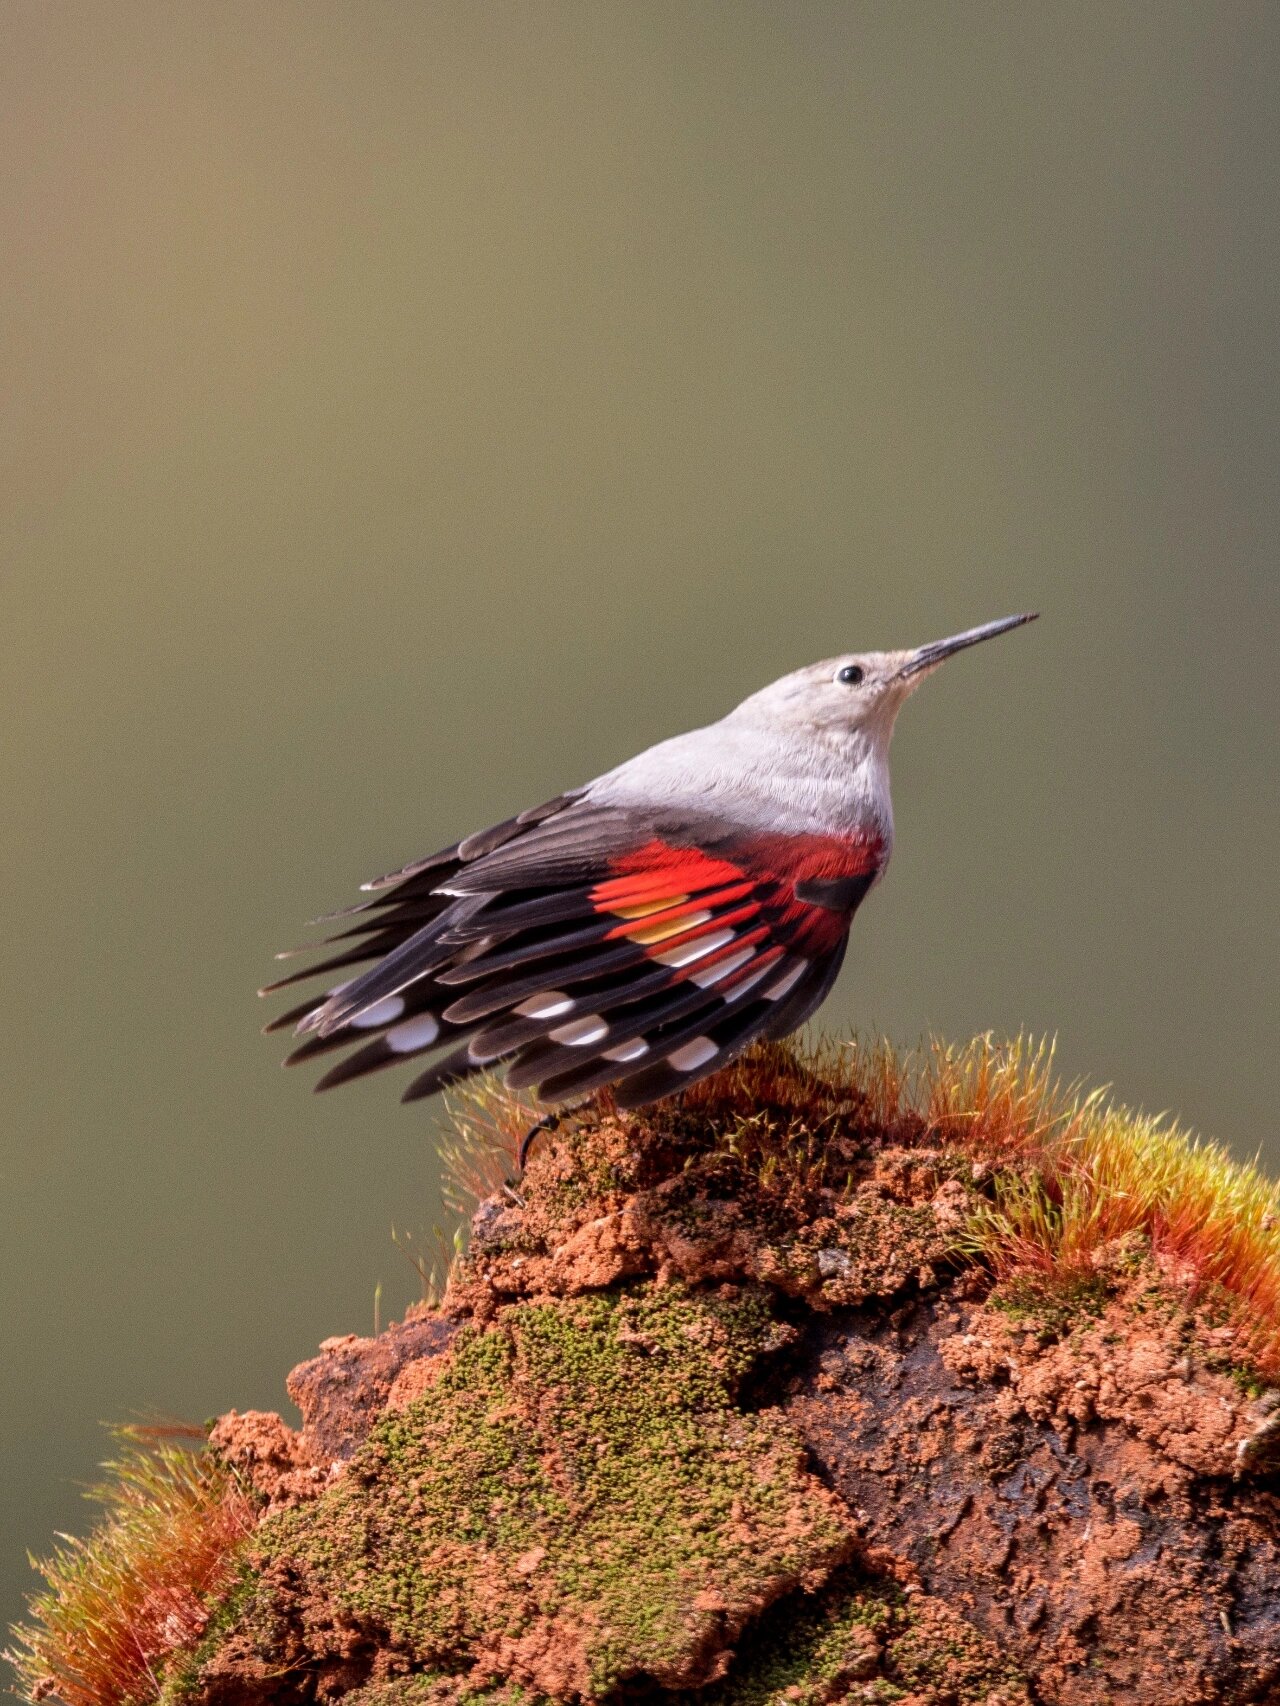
(410, 409)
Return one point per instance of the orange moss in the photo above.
(1069, 1175)
(1079, 1178)
(119, 1605)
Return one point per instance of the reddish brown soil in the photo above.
(340, 1391)
(1075, 1501)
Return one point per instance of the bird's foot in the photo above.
(548, 1122)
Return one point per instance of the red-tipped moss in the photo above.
(1071, 1173)
(119, 1605)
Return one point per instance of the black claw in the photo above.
(548, 1122)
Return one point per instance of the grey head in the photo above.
(807, 754)
(858, 696)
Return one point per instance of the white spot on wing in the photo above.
(698, 949)
(413, 1034)
(787, 981)
(547, 1004)
(710, 975)
(626, 1051)
(381, 1013)
(581, 1031)
(750, 981)
(696, 1053)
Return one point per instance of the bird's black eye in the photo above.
(851, 674)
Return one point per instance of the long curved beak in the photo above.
(931, 655)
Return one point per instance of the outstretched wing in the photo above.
(583, 945)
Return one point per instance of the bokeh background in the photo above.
(410, 409)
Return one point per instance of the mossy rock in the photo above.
(575, 1502)
(431, 1688)
(863, 1639)
(584, 1499)
(860, 1640)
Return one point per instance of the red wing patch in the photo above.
(577, 963)
(671, 899)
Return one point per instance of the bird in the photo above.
(637, 933)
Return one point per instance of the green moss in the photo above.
(932, 1652)
(1051, 1305)
(576, 1479)
(810, 1647)
(870, 1248)
(862, 1637)
(593, 1174)
(1246, 1380)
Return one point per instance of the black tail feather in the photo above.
(451, 1070)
